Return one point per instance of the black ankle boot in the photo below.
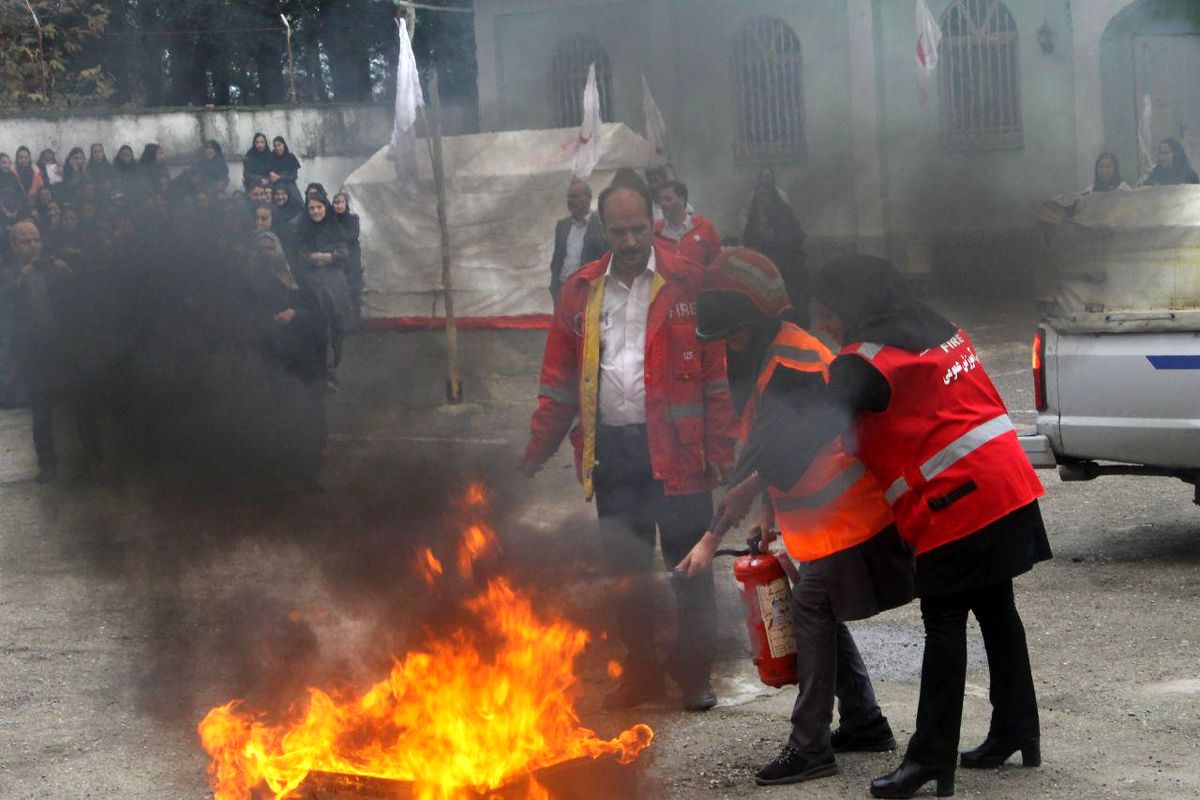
(995, 751)
(908, 779)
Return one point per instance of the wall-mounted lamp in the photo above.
(1045, 38)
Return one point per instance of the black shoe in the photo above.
(908, 779)
(873, 738)
(994, 752)
(792, 766)
(47, 475)
(701, 699)
(634, 691)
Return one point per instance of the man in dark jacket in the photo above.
(43, 316)
(578, 238)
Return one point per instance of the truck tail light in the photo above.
(1039, 369)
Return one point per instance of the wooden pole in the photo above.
(454, 392)
(41, 52)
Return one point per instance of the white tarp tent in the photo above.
(504, 193)
(1125, 259)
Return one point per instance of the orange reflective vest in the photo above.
(836, 504)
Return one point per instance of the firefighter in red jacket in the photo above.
(935, 434)
(834, 519)
(689, 234)
(655, 433)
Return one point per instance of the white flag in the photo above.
(929, 39)
(408, 96)
(656, 127)
(1145, 137)
(587, 154)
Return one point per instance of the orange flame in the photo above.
(471, 712)
(476, 495)
(476, 542)
(428, 566)
(615, 670)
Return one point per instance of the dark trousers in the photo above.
(631, 504)
(829, 666)
(944, 672)
(83, 404)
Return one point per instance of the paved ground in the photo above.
(130, 609)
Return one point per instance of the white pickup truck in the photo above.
(1116, 358)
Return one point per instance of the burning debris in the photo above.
(487, 709)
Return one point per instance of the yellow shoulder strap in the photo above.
(589, 381)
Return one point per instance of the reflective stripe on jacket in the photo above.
(689, 414)
(944, 449)
(836, 504)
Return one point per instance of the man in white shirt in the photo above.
(656, 430)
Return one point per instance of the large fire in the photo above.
(472, 712)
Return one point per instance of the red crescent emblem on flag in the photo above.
(584, 139)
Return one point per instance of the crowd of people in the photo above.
(210, 322)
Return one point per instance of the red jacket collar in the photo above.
(666, 262)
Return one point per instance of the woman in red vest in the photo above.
(934, 432)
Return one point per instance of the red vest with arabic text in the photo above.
(944, 451)
(836, 504)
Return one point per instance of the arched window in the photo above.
(568, 77)
(980, 82)
(768, 85)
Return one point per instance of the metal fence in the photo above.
(568, 76)
(980, 78)
(768, 85)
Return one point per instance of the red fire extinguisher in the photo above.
(767, 598)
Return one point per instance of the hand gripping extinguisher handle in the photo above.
(755, 548)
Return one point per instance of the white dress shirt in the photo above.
(623, 320)
(574, 258)
(676, 233)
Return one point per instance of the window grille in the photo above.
(568, 77)
(768, 85)
(980, 81)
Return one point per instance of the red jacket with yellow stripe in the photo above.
(690, 419)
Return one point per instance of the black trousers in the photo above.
(631, 505)
(944, 672)
(83, 404)
(829, 666)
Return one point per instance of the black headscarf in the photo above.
(122, 166)
(288, 211)
(318, 237)
(25, 173)
(286, 164)
(877, 305)
(99, 169)
(1181, 172)
(347, 221)
(151, 171)
(212, 170)
(72, 174)
(256, 162)
(1106, 186)
(784, 245)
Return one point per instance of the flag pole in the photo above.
(291, 64)
(454, 391)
